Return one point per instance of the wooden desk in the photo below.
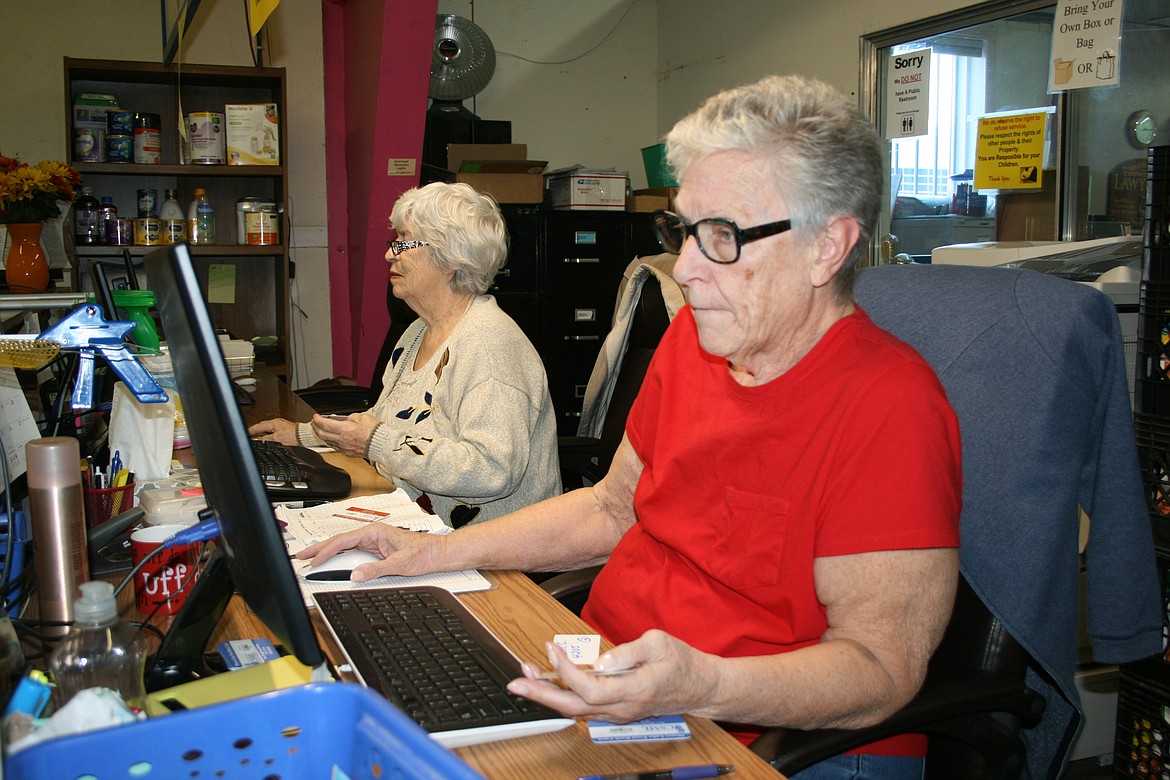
(524, 617)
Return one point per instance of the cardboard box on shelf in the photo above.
(500, 170)
(653, 199)
(584, 189)
(253, 134)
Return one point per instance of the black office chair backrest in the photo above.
(333, 396)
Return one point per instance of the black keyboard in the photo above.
(293, 472)
(421, 649)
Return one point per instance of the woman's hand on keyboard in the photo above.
(403, 552)
(278, 429)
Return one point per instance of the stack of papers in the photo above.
(303, 527)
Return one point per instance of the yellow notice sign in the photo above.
(221, 283)
(1010, 152)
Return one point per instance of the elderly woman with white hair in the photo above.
(779, 527)
(465, 420)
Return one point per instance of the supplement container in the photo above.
(120, 231)
(119, 148)
(262, 227)
(148, 202)
(148, 231)
(89, 125)
(245, 206)
(206, 137)
(173, 230)
(147, 138)
(120, 123)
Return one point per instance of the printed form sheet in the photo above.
(303, 527)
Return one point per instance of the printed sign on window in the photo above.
(908, 104)
(1009, 152)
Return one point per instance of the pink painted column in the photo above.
(377, 58)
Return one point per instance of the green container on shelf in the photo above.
(658, 173)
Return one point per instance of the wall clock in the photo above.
(1141, 128)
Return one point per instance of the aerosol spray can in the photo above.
(58, 526)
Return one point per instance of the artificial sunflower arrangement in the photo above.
(30, 193)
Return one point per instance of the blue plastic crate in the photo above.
(313, 731)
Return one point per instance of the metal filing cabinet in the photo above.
(583, 254)
(517, 285)
(560, 285)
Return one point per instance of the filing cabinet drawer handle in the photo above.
(594, 337)
(582, 260)
(505, 272)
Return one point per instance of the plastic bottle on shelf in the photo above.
(170, 208)
(200, 219)
(100, 650)
(205, 223)
(86, 218)
(107, 212)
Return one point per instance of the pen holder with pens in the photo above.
(103, 503)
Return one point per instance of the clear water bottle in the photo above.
(198, 221)
(204, 224)
(100, 651)
(86, 218)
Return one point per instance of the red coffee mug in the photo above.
(161, 586)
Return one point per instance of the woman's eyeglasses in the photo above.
(719, 239)
(398, 247)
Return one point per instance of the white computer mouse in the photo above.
(339, 566)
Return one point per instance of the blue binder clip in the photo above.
(88, 332)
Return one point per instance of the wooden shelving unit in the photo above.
(261, 288)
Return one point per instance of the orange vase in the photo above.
(27, 268)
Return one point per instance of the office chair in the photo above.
(586, 459)
(1034, 368)
(647, 301)
(333, 396)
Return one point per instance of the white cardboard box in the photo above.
(253, 134)
(588, 191)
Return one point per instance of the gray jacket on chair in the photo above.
(1049, 429)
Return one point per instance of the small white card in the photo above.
(669, 727)
(581, 648)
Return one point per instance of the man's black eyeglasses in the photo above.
(719, 239)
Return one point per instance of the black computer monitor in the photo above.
(250, 539)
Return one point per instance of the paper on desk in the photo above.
(16, 422)
(303, 527)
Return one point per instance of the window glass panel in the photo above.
(987, 68)
(1093, 173)
(1107, 156)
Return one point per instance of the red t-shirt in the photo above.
(854, 449)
